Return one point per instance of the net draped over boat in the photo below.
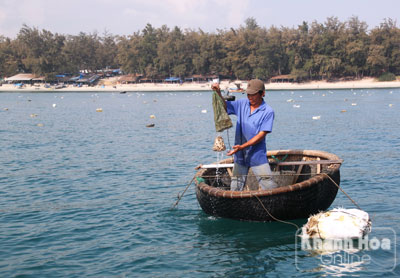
(221, 118)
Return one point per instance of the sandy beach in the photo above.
(152, 87)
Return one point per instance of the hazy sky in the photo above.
(123, 17)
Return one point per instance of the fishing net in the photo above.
(221, 118)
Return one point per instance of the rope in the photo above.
(273, 217)
(262, 176)
(278, 160)
(227, 135)
(183, 193)
(347, 195)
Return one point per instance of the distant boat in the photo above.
(306, 187)
(59, 86)
(237, 89)
(123, 92)
(232, 90)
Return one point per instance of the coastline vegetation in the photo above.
(331, 50)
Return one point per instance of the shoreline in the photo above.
(366, 83)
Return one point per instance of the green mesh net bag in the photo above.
(221, 118)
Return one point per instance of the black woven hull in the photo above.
(296, 201)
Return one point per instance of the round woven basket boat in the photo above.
(306, 190)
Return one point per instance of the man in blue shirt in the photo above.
(254, 121)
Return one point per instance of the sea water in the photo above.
(88, 194)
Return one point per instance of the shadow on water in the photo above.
(253, 248)
(233, 248)
(249, 234)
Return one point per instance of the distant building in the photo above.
(201, 78)
(24, 78)
(128, 79)
(286, 78)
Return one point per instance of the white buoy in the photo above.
(152, 116)
(204, 111)
(54, 105)
(296, 105)
(354, 104)
(338, 223)
(316, 117)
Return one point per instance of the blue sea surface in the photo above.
(88, 194)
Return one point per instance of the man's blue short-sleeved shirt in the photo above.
(249, 125)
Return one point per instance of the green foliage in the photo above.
(387, 76)
(332, 49)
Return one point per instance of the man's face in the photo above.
(255, 99)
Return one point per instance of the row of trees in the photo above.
(326, 50)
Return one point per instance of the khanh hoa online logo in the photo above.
(377, 250)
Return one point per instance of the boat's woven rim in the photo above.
(213, 191)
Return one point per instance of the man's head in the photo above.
(255, 86)
(255, 92)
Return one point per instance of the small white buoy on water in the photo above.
(338, 223)
(290, 100)
(390, 105)
(204, 111)
(54, 105)
(354, 104)
(296, 106)
(316, 117)
(99, 110)
(152, 116)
